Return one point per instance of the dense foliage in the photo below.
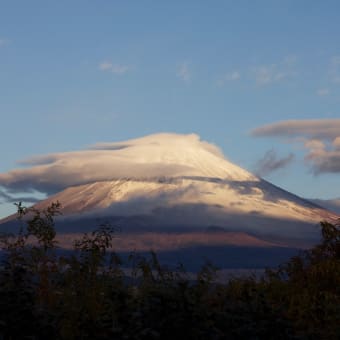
(87, 294)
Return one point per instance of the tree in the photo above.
(85, 294)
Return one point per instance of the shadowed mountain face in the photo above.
(202, 202)
(332, 204)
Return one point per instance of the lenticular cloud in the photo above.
(168, 155)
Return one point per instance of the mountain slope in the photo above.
(181, 190)
(252, 206)
(331, 204)
(173, 180)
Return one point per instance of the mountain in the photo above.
(180, 195)
(331, 204)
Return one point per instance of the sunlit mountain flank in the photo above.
(172, 193)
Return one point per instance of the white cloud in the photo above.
(265, 75)
(183, 72)
(321, 137)
(233, 76)
(114, 68)
(314, 145)
(152, 156)
(229, 77)
(104, 66)
(322, 92)
(273, 73)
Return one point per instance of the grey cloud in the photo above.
(321, 138)
(39, 160)
(271, 162)
(109, 146)
(319, 129)
(324, 161)
(5, 197)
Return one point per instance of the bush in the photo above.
(86, 295)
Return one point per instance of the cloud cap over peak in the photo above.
(158, 155)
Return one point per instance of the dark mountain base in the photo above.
(223, 257)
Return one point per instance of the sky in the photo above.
(261, 80)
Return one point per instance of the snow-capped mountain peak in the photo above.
(170, 182)
(176, 155)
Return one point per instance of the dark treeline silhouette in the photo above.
(87, 294)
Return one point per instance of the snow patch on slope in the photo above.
(168, 180)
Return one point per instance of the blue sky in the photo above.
(74, 73)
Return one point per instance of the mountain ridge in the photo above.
(175, 184)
